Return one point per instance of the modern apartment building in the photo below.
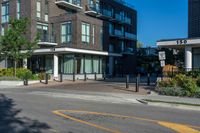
(77, 36)
(194, 18)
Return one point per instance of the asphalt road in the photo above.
(32, 110)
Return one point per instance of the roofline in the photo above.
(174, 39)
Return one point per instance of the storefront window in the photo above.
(49, 64)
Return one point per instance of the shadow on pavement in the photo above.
(10, 122)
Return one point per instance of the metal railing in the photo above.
(74, 2)
(47, 38)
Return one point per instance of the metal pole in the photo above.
(148, 79)
(26, 81)
(46, 78)
(61, 77)
(95, 76)
(74, 77)
(137, 84)
(127, 81)
(104, 76)
(85, 76)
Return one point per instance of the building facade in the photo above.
(190, 45)
(194, 18)
(77, 36)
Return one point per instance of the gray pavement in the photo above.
(32, 110)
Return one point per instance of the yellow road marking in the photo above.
(180, 128)
(85, 122)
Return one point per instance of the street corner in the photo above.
(116, 123)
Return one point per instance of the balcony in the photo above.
(48, 40)
(70, 4)
(105, 14)
(130, 36)
(117, 33)
(92, 10)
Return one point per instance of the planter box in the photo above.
(16, 83)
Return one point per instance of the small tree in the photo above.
(14, 44)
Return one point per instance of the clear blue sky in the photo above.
(161, 19)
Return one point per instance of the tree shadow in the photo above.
(10, 122)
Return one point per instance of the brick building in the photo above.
(77, 36)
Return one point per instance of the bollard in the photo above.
(26, 81)
(95, 76)
(148, 79)
(104, 76)
(85, 76)
(74, 77)
(61, 77)
(46, 78)
(127, 81)
(137, 84)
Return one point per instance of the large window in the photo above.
(38, 14)
(18, 9)
(42, 29)
(66, 32)
(68, 64)
(5, 12)
(85, 33)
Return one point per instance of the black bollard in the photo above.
(85, 76)
(26, 81)
(137, 83)
(61, 77)
(148, 79)
(74, 77)
(95, 76)
(46, 78)
(127, 81)
(104, 76)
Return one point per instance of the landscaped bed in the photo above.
(183, 85)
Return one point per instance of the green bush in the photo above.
(171, 91)
(180, 85)
(21, 73)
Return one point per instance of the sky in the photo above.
(161, 19)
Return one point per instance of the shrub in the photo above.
(42, 76)
(171, 91)
(23, 73)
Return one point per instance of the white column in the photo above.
(55, 72)
(188, 58)
(25, 62)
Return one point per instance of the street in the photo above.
(56, 110)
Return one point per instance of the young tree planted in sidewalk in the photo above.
(14, 44)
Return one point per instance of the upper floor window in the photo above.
(85, 36)
(5, 12)
(66, 32)
(38, 8)
(18, 9)
(46, 17)
(93, 34)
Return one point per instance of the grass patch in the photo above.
(178, 103)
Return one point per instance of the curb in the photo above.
(170, 105)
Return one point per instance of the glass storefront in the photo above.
(80, 64)
(68, 64)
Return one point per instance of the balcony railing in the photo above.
(71, 4)
(46, 39)
(130, 36)
(92, 9)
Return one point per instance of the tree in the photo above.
(139, 44)
(14, 44)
